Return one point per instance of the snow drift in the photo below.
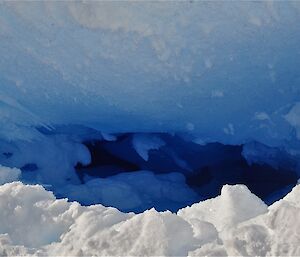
(234, 223)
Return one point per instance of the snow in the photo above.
(235, 204)
(58, 227)
(209, 71)
(134, 191)
(151, 67)
(55, 157)
(77, 73)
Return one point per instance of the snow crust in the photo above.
(153, 67)
(234, 223)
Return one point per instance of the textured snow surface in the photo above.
(221, 71)
(34, 222)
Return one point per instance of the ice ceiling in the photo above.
(226, 73)
(73, 74)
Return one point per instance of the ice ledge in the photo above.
(220, 71)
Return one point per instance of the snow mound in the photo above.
(234, 205)
(59, 227)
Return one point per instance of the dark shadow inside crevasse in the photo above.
(206, 168)
(267, 183)
(104, 163)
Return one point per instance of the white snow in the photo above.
(234, 223)
(234, 205)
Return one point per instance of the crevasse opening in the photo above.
(202, 169)
(139, 171)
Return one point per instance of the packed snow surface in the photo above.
(34, 222)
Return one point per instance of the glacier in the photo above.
(128, 128)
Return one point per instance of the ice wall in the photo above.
(220, 71)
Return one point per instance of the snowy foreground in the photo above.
(34, 222)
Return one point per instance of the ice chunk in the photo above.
(293, 117)
(234, 205)
(142, 143)
(55, 157)
(255, 152)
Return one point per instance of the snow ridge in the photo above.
(234, 223)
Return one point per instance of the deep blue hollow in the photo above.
(209, 167)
